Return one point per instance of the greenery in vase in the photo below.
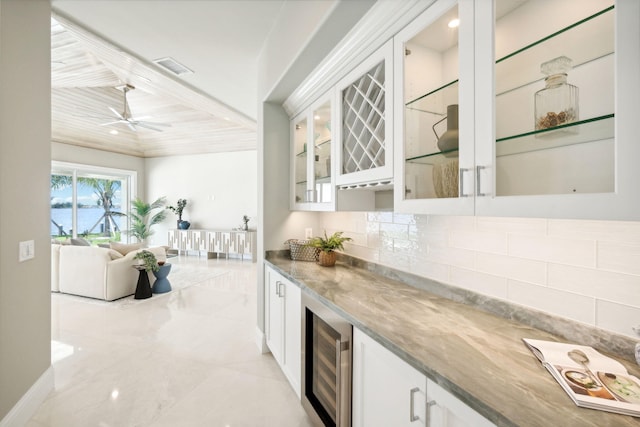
(178, 208)
(149, 261)
(329, 244)
(142, 217)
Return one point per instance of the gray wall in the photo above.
(25, 161)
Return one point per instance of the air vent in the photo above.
(172, 65)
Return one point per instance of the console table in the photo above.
(226, 242)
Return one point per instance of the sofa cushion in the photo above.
(124, 248)
(115, 254)
(80, 242)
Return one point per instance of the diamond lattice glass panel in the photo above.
(363, 124)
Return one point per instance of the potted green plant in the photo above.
(143, 218)
(147, 260)
(177, 209)
(327, 246)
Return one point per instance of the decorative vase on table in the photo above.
(184, 225)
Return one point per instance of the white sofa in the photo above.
(95, 272)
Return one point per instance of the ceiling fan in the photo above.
(131, 122)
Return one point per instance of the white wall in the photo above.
(25, 133)
(220, 188)
(90, 156)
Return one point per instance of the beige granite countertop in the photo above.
(477, 356)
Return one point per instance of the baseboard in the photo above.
(261, 342)
(29, 403)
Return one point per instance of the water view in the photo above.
(87, 218)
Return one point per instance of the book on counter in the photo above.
(591, 379)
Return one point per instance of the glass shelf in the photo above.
(321, 143)
(433, 102)
(303, 153)
(590, 38)
(581, 132)
(583, 41)
(302, 183)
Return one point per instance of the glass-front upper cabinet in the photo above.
(563, 82)
(434, 135)
(311, 136)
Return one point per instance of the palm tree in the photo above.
(105, 190)
(142, 219)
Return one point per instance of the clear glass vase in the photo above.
(557, 103)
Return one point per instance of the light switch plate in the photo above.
(26, 250)
(308, 233)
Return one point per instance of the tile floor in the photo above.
(185, 358)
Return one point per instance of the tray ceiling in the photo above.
(86, 72)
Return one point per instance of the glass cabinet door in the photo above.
(434, 110)
(560, 140)
(313, 185)
(554, 97)
(299, 132)
(322, 166)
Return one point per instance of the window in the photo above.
(90, 202)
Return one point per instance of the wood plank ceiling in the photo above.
(87, 74)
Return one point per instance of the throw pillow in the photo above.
(115, 254)
(80, 242)
(104, 245)
(124, 248)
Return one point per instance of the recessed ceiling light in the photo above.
(454, 23)
(316, 117)
(227, 118)
(113, 132)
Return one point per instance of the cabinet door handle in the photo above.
(479, 192)
(280, 290)
(427, 411)
(412, 415)
(461, 174)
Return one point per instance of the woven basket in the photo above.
(300, 251)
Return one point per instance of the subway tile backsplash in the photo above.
(587, 271)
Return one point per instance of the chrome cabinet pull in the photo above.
(278, 285)
(281, 290)
(461, 180)
(479, 192)
(430, 403)
(412, 416)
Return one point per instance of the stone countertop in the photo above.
(478, 357)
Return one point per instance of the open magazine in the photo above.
(591, 379)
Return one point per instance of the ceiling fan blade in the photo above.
(131, 126)
(147, 125)
(118, 115)
(167, 125)
(112, 123)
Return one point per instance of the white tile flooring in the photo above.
(185, 358)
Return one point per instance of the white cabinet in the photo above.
(312, 177)
(283, 324)
(386, 390)
(514, 157)
(447, 411)
(389, 392)
(364, 153)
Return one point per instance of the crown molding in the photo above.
(384, 20)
